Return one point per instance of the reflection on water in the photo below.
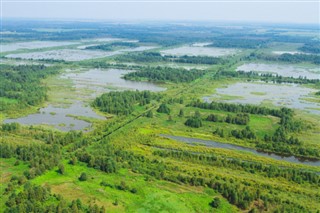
(209, 143)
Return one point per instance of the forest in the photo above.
(164, 74)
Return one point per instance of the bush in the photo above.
(83, 176)
(215, 203)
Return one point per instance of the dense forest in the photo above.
(123, 103)
(22, 83)
(164, 74)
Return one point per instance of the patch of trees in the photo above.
(241, 108)
(143, 57)
(22, 83)
(39, 157)
(163, 108)
(194, 121)
(198, 60)
(39, 199)
(163, 74)
(157, 57)
(292, 58)
(112, 46)
(231, 41)
(245, 133)
(311, 47)
(239, 118)
(266, 77)
(122, 103)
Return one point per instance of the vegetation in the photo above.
(112, 46)
(20, 85)
(149, 57)
(128, 163)
(291, 58)
(122, 103)
(164, 74)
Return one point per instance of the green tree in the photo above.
(61, 169)
(83, 176)
(215, 203)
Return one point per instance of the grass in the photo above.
(151, 195)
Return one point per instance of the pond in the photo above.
(199, 51)
(210, 143)
(88, 84)
(310, 72)
(283, 95)
(59, 117)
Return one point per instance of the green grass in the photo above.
(151, 196)
(8, 100)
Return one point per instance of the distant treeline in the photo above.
(112, 46)
(311, 47)
(286, 57)
(266, 77)
(157, 57)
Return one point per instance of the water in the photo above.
(209, 143)
(101, 80)
(288, 52)
(283, 95)
(74, 54)
(34, 45)
(201, 44)
(311, 72)
(88, 84)
(60, 117)
(199, 51)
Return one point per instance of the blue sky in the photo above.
(254, 11)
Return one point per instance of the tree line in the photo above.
(163, 74)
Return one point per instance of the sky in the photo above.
(273, 11)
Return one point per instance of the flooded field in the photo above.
(310, 72)
(88, 84)
(34, 45)
(73, 54)
(199, 51)
(284, 95)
